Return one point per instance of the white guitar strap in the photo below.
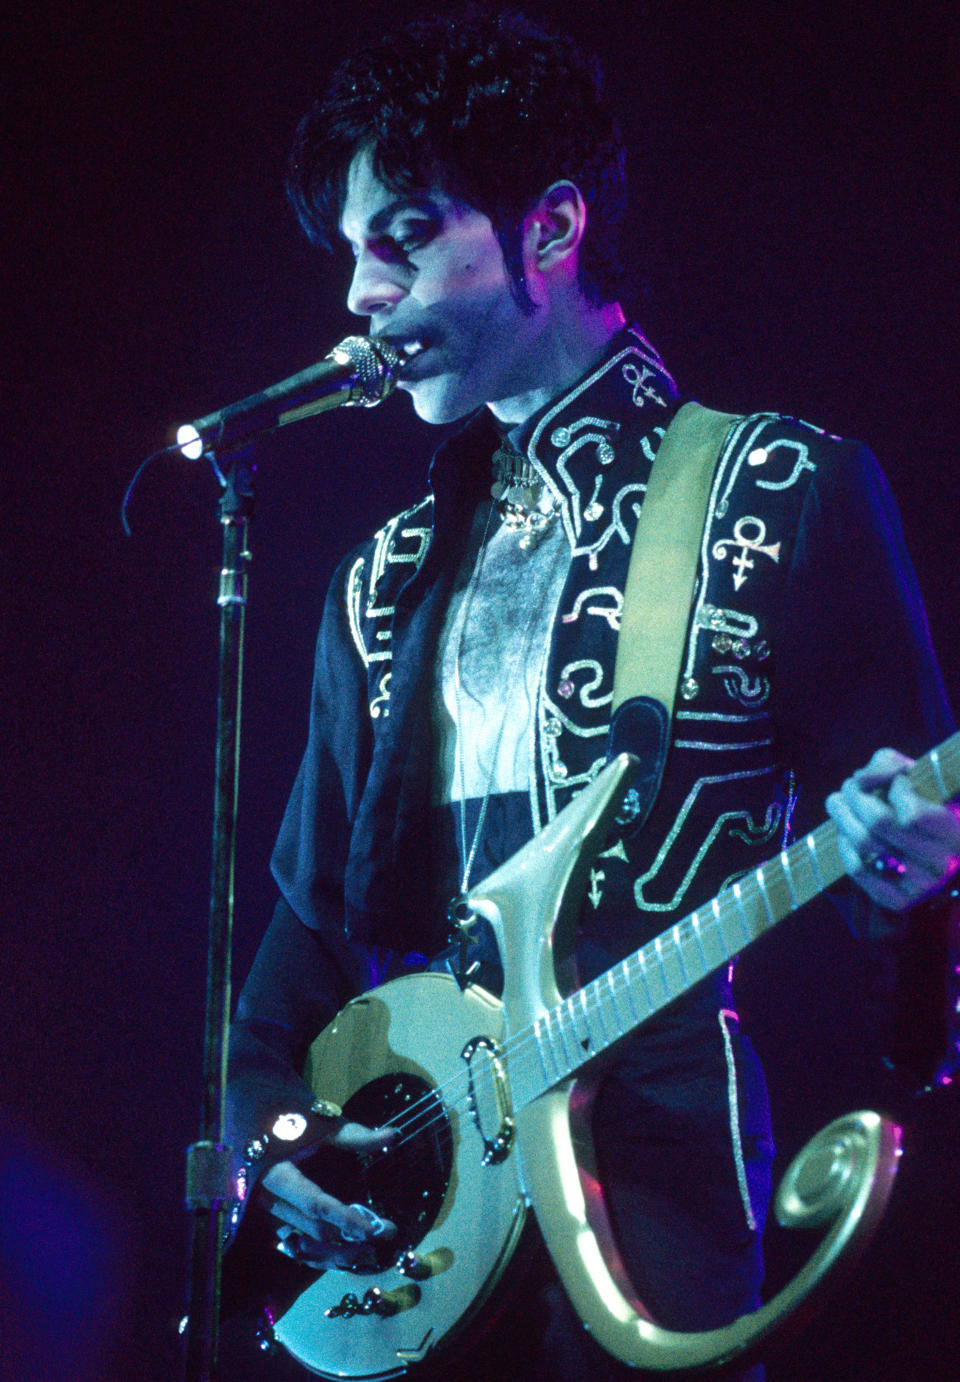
(657, 598)
(664, 558)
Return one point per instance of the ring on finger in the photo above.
(296, 1246)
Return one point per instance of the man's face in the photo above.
(429, 269)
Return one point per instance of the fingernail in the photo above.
(374, 1226)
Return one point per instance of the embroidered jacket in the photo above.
(806, 649)
(805, 599)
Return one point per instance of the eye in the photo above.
(410, 236)
(405, 237)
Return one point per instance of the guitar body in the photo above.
(395, 1054)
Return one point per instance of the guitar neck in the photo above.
(619, 1001)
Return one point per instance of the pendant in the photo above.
(529, 522)
(523, 502)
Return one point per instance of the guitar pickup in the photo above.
(421, 1266)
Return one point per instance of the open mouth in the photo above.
(412, 351)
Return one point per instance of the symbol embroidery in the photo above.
(596, 887)
(748, 534)
(743, 688)
(611, 614)
(641, 381)
(760, 455)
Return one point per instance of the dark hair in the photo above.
(490, 107)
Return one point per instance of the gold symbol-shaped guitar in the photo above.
(492, 1114)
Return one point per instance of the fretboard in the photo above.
(612, 1006)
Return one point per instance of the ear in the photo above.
(554, 227)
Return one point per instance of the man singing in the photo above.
(464, 668)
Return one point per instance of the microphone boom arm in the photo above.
(360, 372)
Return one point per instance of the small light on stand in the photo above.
(189, 442)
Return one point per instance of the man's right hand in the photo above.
(314, 1227)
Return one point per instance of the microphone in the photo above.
(360, 372)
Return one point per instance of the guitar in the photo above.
(493, 1120)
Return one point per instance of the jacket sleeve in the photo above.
(855, 664)
(313, 844)
(859, 673)
(305, 968)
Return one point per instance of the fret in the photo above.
(562, 1012)
(538, 1033)
(556, 1042)
(546, 1042)
(785, 865)
(612, 986)
(774, 890)
(678, 942)
(748, 932)
(755, 906)
(551, 1051)
(631, 994)
(671, 985)
(762, 887)
(722, 915)
(579, 1000)
(811, 843)
(799, 865)
(936, 776)
(693, 959)
(593, 1008)
(714, 940)
(695, 926)
(725, 930)
(641, 962)
(599, 1002)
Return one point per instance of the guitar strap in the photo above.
(659, 593)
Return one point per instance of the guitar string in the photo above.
(516, 1048)
(586, 1003)
(523, 1045)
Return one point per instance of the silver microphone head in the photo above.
(376, 364)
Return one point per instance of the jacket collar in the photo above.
(629, 384)
(629, 391)
(594, 445)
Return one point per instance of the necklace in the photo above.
(509, 679)
(523, 501)
(466, 856)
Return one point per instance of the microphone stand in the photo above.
(358, 372)
(209, 1186)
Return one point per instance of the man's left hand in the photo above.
(895, 844)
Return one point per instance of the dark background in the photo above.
(795, 180)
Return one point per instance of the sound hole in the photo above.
(406, 1184)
